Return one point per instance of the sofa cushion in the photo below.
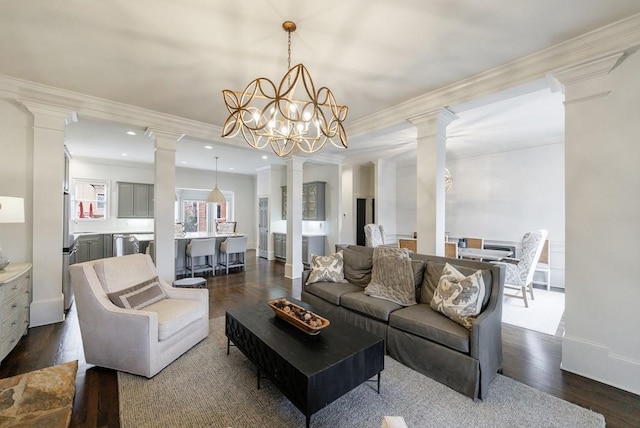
(327, 268)
(331, 291)
(357, 267)
(175, 314)
(459, 297)
(371, 306)
(432, 275)
(139, 296)
(424, 322)
(392, 276)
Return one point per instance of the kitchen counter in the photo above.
(200, 235)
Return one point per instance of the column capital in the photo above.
(588, 70)
(49, 116)
(295, 161)
(429, 122)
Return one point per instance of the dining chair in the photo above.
(374, 235)
(519, 276)
(544, 265)
(451, 250)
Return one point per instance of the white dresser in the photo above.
(15, 298)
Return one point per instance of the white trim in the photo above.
(43, 312)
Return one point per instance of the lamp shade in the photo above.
(11, 209)
(216, 197)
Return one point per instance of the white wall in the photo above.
(406, 184)
(16, 178)
(499, 197)
(112, 172)
(245, 196)
(243, 187)
(603, 227)
(503, 195)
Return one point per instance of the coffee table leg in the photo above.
(228, 341)
(379, 382)
(308, 420)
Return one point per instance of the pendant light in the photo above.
(216, 196)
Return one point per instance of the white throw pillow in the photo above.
(459, 297)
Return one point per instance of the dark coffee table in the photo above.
(311, 371)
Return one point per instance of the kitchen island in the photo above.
(182, 241)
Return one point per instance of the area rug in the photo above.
(41, 398)
(543, 314)
(206, 387)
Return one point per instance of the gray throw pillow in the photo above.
(139, 296)
(357, 267)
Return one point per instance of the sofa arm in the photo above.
(305, 278)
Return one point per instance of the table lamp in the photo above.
(11, 211)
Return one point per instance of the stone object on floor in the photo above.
(41, 398)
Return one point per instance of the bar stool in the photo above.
(201, 248)
(236, 245)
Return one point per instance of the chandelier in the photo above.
(290, 115)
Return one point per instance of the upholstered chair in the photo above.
(519, 272)
(167, 322)
(374, 235)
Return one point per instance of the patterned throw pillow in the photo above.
(459, 297)
(139, 296)
(327, 268)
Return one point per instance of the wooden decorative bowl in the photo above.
(292, 319)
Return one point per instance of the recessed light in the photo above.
(184, 162)
(131, 133)
(208, 147)
(265, 157)
(124, 154)
(231, 169)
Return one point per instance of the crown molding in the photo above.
(609, 40)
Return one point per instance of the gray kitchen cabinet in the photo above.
(280, 246)
(135, 200)
(312, 245)
(313, 201)
(89, 247)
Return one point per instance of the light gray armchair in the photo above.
(139, 341)
(519, 273)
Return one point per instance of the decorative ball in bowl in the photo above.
(298, 316)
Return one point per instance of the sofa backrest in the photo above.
(491, 274)
(118, 273)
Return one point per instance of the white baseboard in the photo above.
(45, 312)
(595, 361)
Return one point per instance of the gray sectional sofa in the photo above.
(418, 336)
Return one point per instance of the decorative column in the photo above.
(48, 176)
(430, 198)
(602, 210)
(293, 266)
(164, 196)
(385, 198)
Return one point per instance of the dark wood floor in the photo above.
(529, 357)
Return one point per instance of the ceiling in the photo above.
(177, 57)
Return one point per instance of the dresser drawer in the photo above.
(14, 288)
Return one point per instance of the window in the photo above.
(199, 215)
(90, 200)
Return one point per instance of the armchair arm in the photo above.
(199, 294)
(113, 337)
